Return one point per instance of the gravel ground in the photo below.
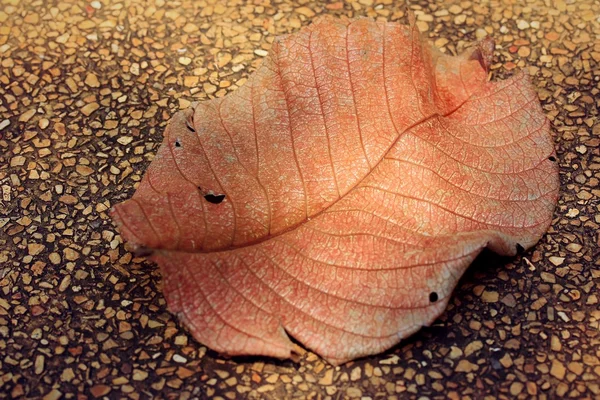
(86, 90)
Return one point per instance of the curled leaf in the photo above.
(340, 194)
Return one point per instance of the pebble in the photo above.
(184, 60)
(92, 80)
(261, 52)
(4, 124)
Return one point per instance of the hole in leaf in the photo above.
(177, 143)
(189, 126)
(214, 198)
(520, 249)
(433, 297)
(552, 158)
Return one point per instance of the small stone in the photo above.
(455, 9)
(574, 247)
(67, 199)
(4, 124)
(139, 375)
(353, 392)
(558, 370)
(473, 347)
(39, 364)
(34, 249)
(327, 378)
(509, 300)
(54, 394)
(516, 388)
(191, 81)
(307, 12)
(43, 123)
(135, 69)
(100, 390)
(92, 80)
(84, 170)
(261, 52)
(184, 60)
(67, 375)
(64, 284)
(70, 254)
(524, 51)
(179, 359)
(506, 361)
(54, 258)
(522, 24)
(26, 116)
(490, 297)
(556, 260)
(89, 108)
(466, 366)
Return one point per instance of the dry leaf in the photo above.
(340, 194)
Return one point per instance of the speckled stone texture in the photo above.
(86, 89)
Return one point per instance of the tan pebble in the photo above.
(223, 59)
(455, 9)
(575, 367)
(62, 39)
(209, 88)
(88, 109)
(65, 283)
(261, 52)
(190, 81)
(307, 12)
(522, 24)
(473, 347)
(422, 26)
(34, 249)
(489, 296)
(139, 375)
(558, 370)
(353, 392)
(86, 24)
(524, 51)
(92, 80)
(31, 18)
(466, 366)
(556, 260)
(67, 375)
(54, 258)
(516, 388)
(26, 116)
(189, 28)
(506, 361)
(84, 170)
(135, 69)
(54, 394)
(460, 19)
(43, 123)
(70, 254)
(184, 60)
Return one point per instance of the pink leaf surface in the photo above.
(340, 193)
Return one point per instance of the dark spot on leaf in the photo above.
(214, 198)
(177, 143)
(433, 297)
(520, 249)
(143, 252)
(552, 158)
